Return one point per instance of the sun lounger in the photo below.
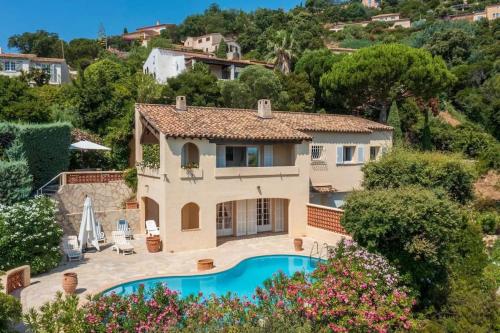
(71, 248)
(151, 228)
(121, 244)
(122, 225)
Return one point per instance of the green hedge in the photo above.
(15, 182)
(45, 147)
(401, 168)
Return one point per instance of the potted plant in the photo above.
(132, 203)
(297, 242)
(153, 243)
(69, 283)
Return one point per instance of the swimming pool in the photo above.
(241, 279)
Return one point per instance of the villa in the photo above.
(237, 172)
(144, 34)
(14, 64)
(393, 19)
(210, 44)
(164, 64)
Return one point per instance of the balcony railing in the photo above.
(241, 172)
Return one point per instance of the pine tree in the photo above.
(394, 121)
(222, 49)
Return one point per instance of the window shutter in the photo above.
(221, 156)
(340, 154)
(251, 217)
(361, 153)
(268, 155)
(241, 218)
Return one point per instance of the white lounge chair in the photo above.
(121, 244)
(151, 228)
(101, 236)
(71, 248)
(122, 225)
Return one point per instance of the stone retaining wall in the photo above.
(108, 219)
(108, 200)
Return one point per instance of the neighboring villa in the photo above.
(143, 35)
(164, 64)
(210, 44)
(490, 13)
(371, 3)
(392, 18)
(238, 172)
(14, 64)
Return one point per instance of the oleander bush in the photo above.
(15, 181)
(353, 291)
(29, 235)
(401, 168)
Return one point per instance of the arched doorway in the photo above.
(151, 211)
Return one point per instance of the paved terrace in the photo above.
(104, 269)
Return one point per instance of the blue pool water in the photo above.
(242, 279)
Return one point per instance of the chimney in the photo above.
(180, 103)
(157, 22)
(264, 109)
(0, 50)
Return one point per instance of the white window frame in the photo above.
(225, 218)
(318, 153)
(377, 153)
(264, 214)
(353, 153)
(11, 67)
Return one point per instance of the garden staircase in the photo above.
(51, 187)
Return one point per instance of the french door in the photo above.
(264, 215)
(225, 219)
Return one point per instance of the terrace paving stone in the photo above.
(101, 270)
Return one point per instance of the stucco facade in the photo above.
(13, 65)
(259, 185)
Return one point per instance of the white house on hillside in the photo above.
(13, 64)
(164, 64)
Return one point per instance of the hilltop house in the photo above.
(163, 64)
(491, 12)
(13, 64)
(237, 172)
(144, 34)
(210, 44)
(394, 19)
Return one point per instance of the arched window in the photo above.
(190, 216)
(190, 156)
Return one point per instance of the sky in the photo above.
(81, 18)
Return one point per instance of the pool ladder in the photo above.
(319, 251)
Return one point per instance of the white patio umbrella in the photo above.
(88, 231)
(87, 145)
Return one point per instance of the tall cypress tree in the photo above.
(394, 121)
(222, 49)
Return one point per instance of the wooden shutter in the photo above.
(241, 218)
(361, 153)
(251, 217)
(221, 156)
(279, 223)
(340, 154)
(268, 155)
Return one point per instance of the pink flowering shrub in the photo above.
(352, 291)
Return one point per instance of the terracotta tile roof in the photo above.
(244, 124)
(317, 122)
(29, 56)
(217, 123)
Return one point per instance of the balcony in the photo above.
(190, 173)
(148, 172)
(248, 172)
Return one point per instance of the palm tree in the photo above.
(282, 51)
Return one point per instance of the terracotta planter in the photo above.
(153, 244)
(69, 283)
(131, 205)
(297, 242)
(205, 264)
